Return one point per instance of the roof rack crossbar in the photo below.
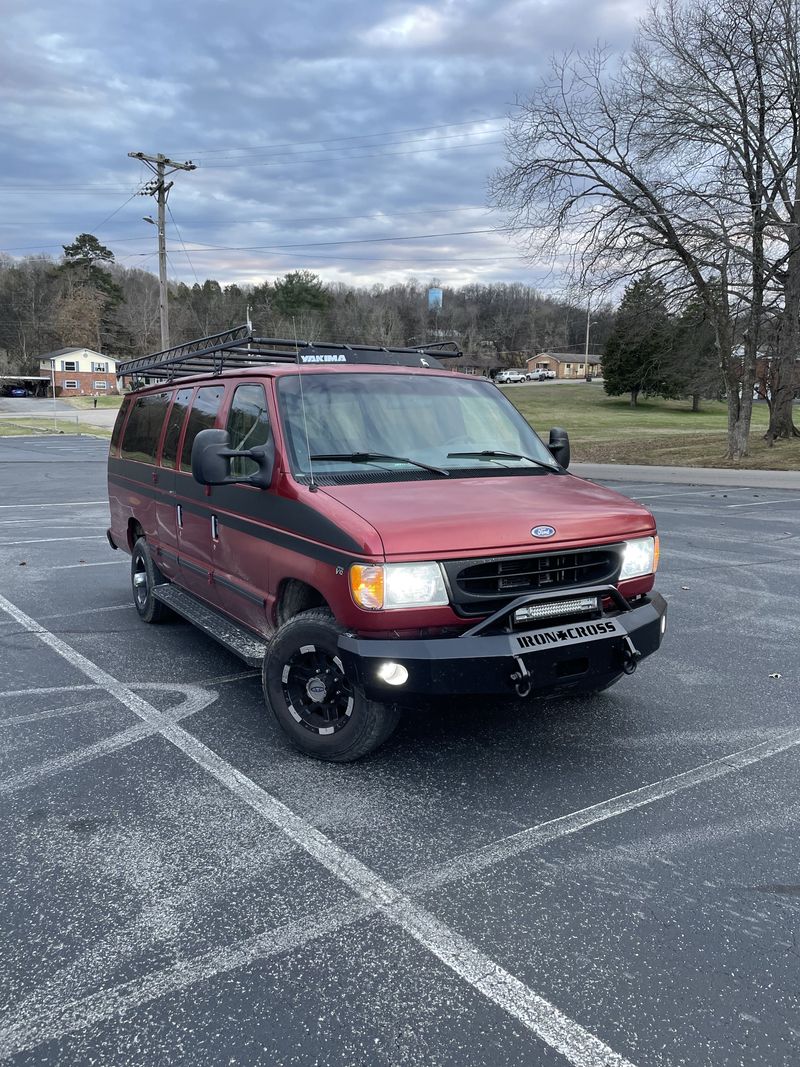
(239, 347)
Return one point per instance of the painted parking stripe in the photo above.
(76, 566)
(50, 540)
(42, 1018)
(710, 489)
(57, 504)
(762, 503)
(525, 840)
(561, 1033)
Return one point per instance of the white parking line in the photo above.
(74, 566)
(472, 862)
(58, 504)
(564, 1035)
(762, 503)
(56, 713)
(49, 540)
(710, 489)
(196, 699)
(40, 1019)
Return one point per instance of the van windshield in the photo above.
(448, 423)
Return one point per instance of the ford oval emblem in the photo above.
(543, 531)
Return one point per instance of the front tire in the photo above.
(145, 576)
(318, 709)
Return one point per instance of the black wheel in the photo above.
(145, 576)
(318, 709)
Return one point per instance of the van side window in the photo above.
(202, 416)
(177, 417)
(248, 426)
(116, 433)
(144, 428)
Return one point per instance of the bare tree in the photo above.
(666, 161)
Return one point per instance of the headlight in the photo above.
(397, 585)
(640, 557)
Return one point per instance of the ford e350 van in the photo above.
(370, 529)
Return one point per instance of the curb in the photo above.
(717, 476)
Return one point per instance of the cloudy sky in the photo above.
(350, 137)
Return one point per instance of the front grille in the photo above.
(481, 586)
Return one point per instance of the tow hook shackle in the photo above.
(630, 656)
(521, 679)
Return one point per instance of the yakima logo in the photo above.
(567, 635)
(325, 358)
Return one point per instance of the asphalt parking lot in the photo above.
(605, 881)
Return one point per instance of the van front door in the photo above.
(194, 504)
(241, 552)
(168, 512)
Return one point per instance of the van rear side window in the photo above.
(202, 416)
(177, 417)
(116, 433)
(144, 428)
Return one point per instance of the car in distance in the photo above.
(510, 377)
(371, 529)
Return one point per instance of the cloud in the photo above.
(343, 120)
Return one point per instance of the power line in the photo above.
(380, 144)
(180, 238)
(280, 220)
(328, 158)
(351, 137)
(357, 241)
(313, 218)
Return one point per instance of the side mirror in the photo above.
(212, 455)
(558, 445)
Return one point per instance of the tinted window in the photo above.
(177, 416)
(144, 428)
(202, 416)
(248, 426)
(116, 433)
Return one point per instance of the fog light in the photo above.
(393, 673)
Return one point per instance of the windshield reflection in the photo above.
(422, 417)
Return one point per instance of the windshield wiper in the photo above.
(492, 453)
(368, 457)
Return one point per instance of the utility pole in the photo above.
(589, 323)
(159, 188)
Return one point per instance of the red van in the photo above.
(371, 528)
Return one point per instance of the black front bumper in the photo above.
(582, 654)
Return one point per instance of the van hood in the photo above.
(468, 516)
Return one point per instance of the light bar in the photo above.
(574, 606)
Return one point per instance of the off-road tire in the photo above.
(142, 566)
(288, 672)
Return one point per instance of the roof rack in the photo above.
(238, 347)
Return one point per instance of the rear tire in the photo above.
(145, 576)
(319, 710)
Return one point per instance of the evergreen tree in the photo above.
(694, 363)
(300, 290)
(637, 354)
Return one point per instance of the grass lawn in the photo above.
(41, 427)
(87, 401)
(605, 429)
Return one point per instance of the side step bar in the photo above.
(243, 643)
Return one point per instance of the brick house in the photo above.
(80, 372)
(567, 364)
